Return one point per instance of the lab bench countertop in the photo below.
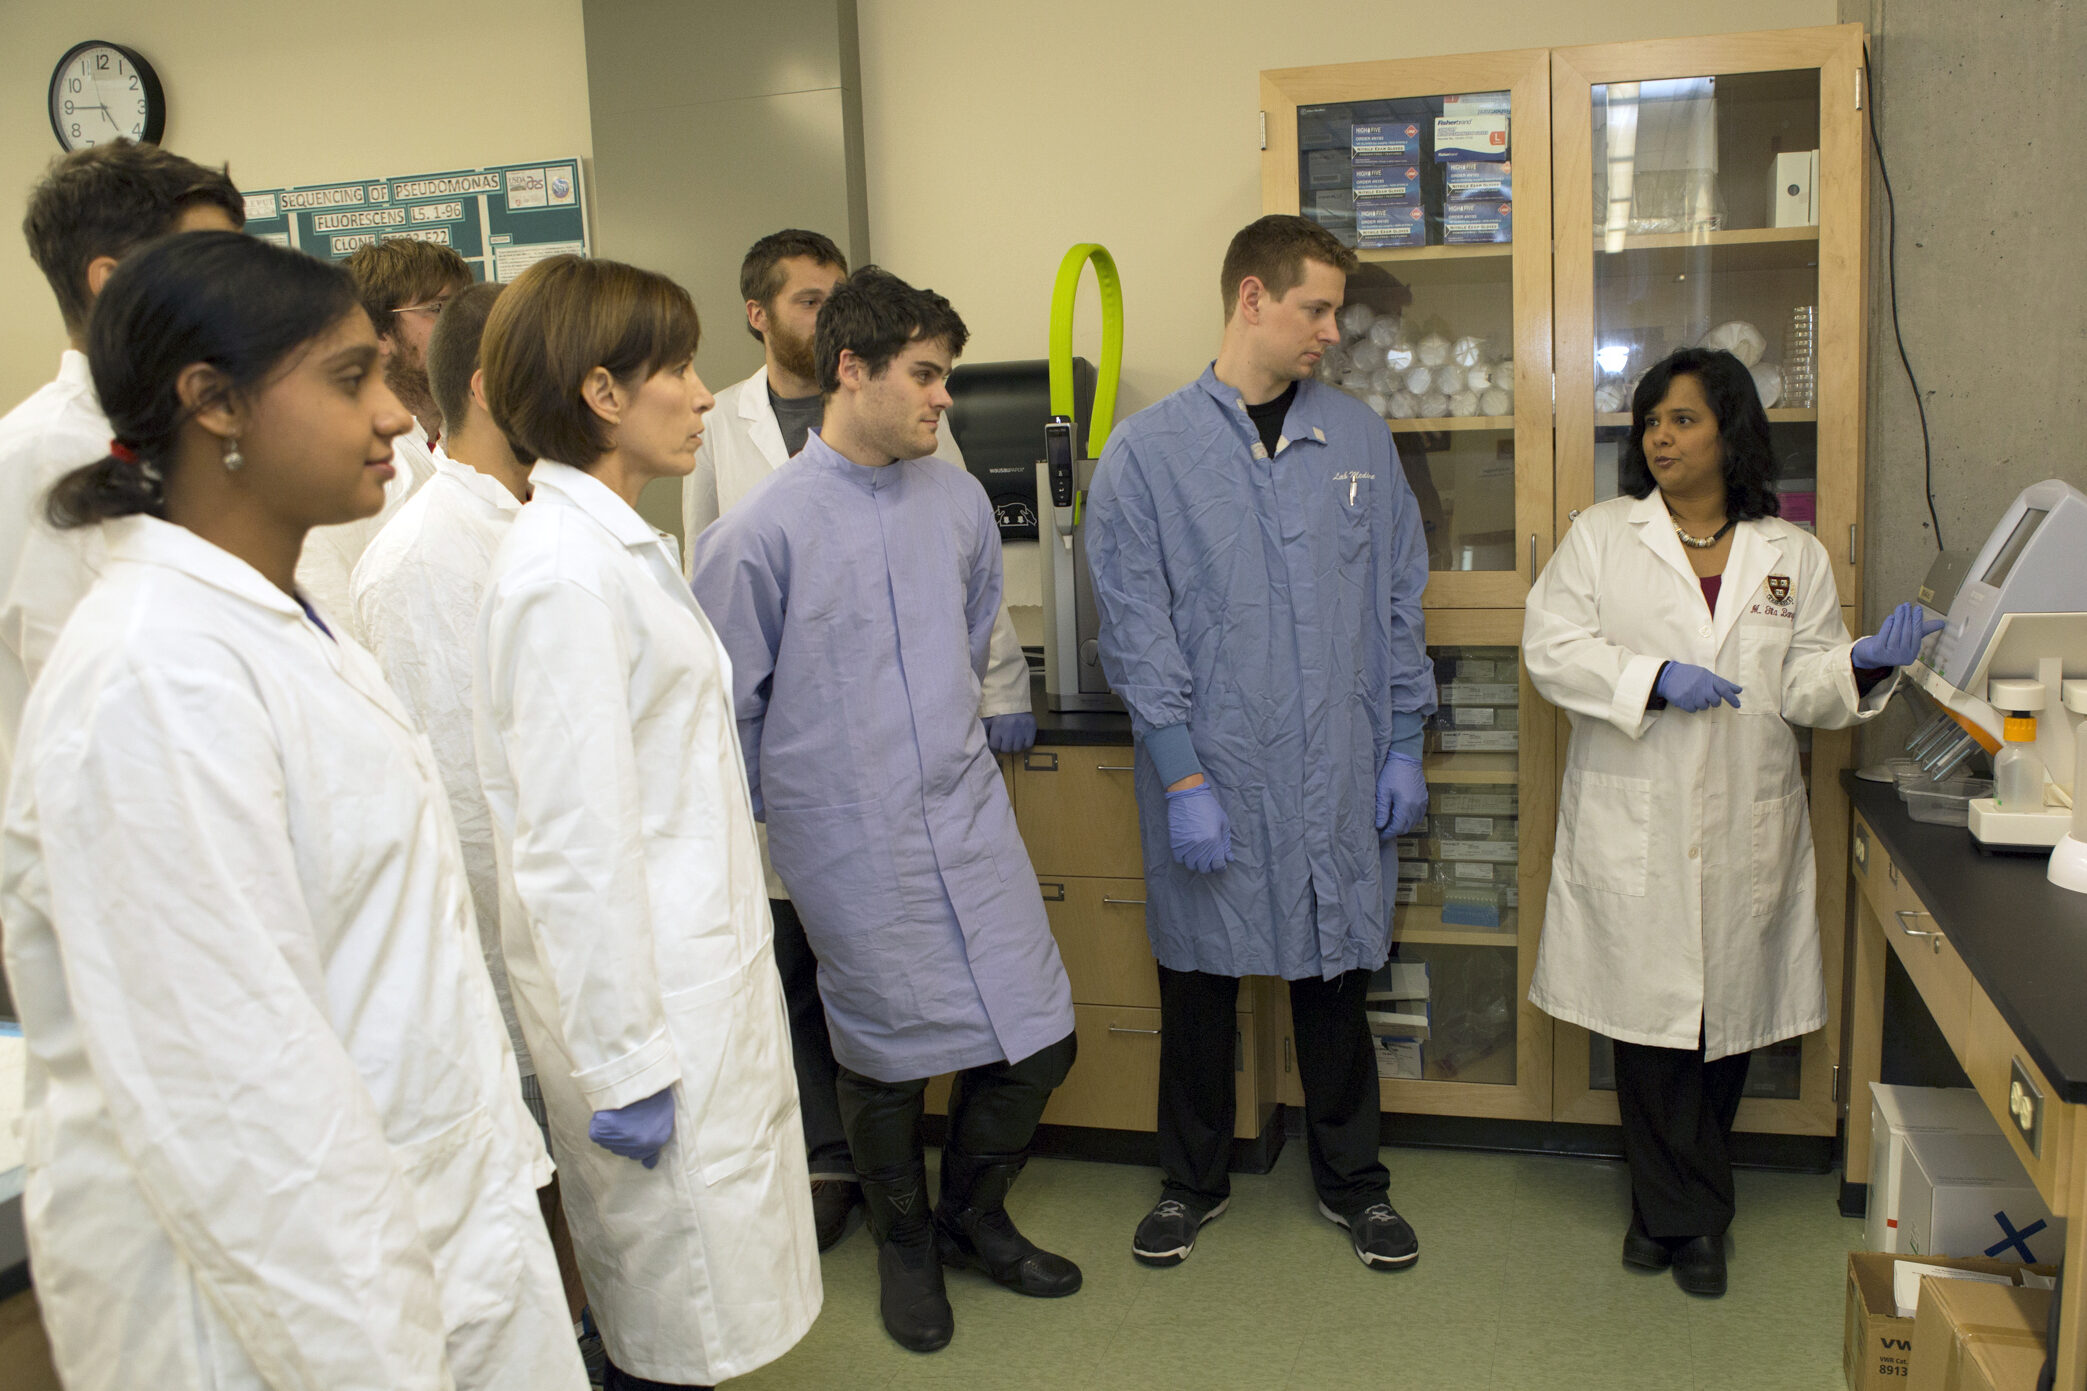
(2022, 937)
(1054, 727)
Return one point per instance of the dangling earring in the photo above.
(234, 460)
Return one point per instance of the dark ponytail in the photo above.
(232, 301)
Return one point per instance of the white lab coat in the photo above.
(416, 593)
(1682, 889)
(326, 569)
(43, 571)
(637, 936)
(273, 1134)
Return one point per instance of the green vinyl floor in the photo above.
(1519, 1285)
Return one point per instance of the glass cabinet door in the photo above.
(1420, 166)
(1456, 1033)
(1711, 193)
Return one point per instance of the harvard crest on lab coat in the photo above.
(274, 1135)
(1682, 889)
(635, 927)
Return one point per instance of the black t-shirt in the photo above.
(796, 415)
(1268, 417)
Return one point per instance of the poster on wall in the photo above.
(502, 219)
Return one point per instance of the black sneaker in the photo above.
(1383, 1240)
(836, 1209)
(1168, 1233)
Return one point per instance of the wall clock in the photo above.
(102, 90)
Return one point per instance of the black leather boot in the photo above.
(972, 1227)
(909, 1278)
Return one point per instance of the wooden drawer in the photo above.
(1100, 927)
(1990, 1063)
(1938, 972)
(1078, 811)
(1115, 1083)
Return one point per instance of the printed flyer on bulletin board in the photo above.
(502, 219)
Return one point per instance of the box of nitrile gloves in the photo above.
(1477, 221)
(1379, 223)
(1477, 178)
(1482, 135)
(1326, 169)
(1392, 180)
(1389, 139)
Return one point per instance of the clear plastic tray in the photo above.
(1946, 803)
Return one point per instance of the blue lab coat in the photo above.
(858, 604)
(1261, 620)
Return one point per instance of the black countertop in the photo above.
(2023, 938)
(1075, 727)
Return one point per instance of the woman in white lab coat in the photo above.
(1685, 628)
(635, 918)
(273, 1130)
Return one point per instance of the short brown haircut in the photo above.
(558, 321)
(1273, 250)
(453, 350)
(401, 271)
(761, 274)
(106, 200)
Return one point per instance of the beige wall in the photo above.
(1000, 134)
(291, 93)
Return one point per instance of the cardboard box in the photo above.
(1464, 799)
(1957, 1317)
(1793, 189)
(1480, 135)
(1479, 221)
(1401, 1058)
(1394, 181)
(2002, 1367)
(1876, 1343)
(1896, 1112)
(1477, 740)
(1389, 140)
(1967, 1195)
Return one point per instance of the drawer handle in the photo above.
(1125, 902)
(1115, 767)
(1119, 1029)
(1934, 938)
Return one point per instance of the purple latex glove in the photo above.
(1010, 733)
(636, 1131)
(1694, 688)
(1402, 795)
(1198, 829)
(1898, 638)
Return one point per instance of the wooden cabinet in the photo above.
(1643, 220)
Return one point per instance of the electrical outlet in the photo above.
(2025, 1107)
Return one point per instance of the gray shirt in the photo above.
(797, 415)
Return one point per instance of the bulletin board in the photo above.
(501, 219)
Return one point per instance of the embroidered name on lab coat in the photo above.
(1354, 479)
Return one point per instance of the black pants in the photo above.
(1198, 1056)
(993, 1109)
(811, 1051)
(1677, 1127)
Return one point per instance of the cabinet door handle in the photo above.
(1124, 902)
(1532, 557)
(1119, 1029)
(1934, 938)
(1115, 767)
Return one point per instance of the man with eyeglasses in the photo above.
(403, 285)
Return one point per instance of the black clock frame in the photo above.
(148, 82)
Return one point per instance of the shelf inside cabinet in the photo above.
(1743, 248)
(1472, 767)
(1781, 416)
(1444, 265)
(1428, 426)
(1424, 926)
